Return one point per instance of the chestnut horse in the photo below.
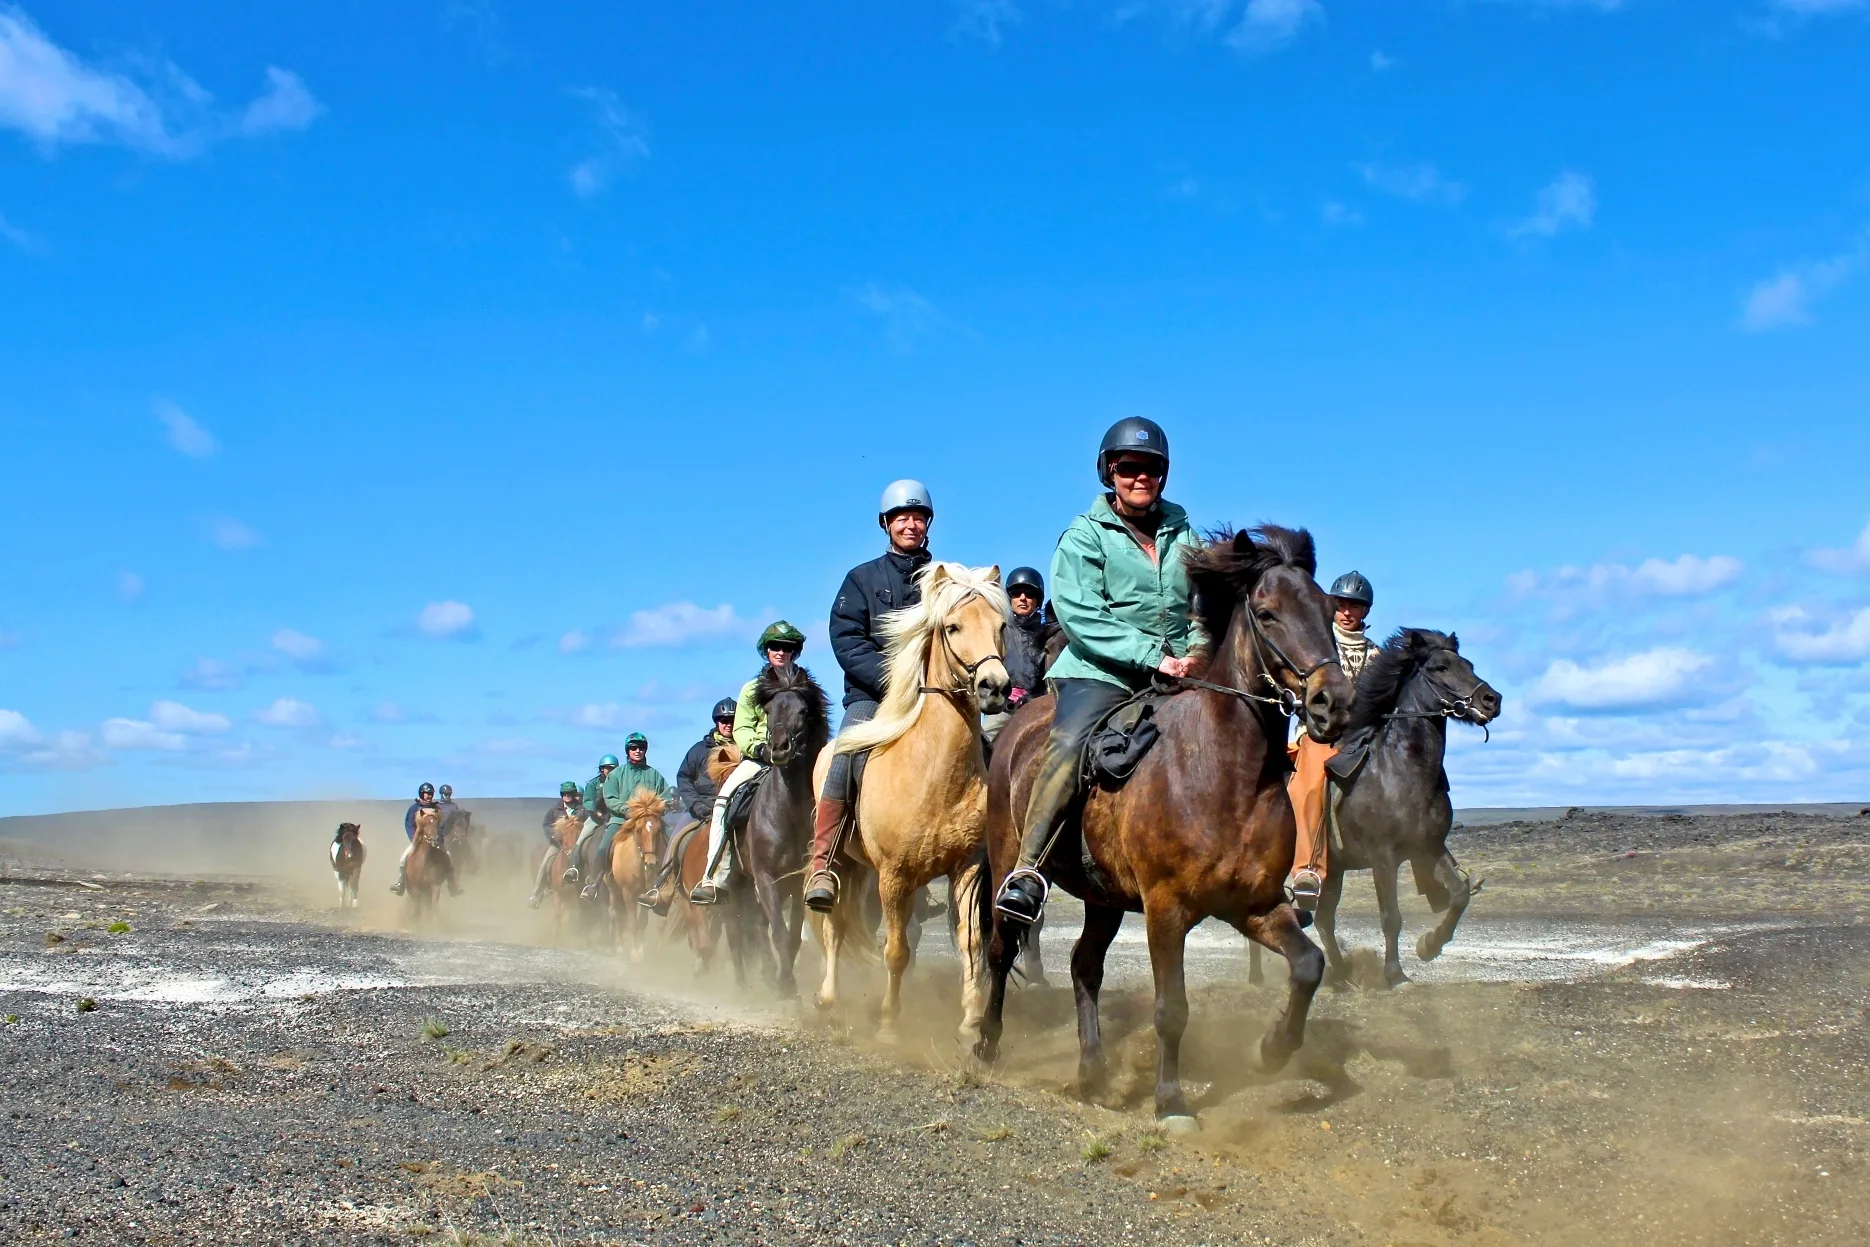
(632, 864)
(923, 801)
(347, 862)
(564, 895)
(428, 864)
(1203, 827)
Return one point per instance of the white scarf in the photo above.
(1355, 650)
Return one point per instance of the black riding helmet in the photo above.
(426, 790)
(1028, 578)
(725, 709)
(1352, 587)
(1136, 434)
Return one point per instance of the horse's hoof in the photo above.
(1426, 948)
(1273, 1054)
(1179, 1123)
(1393, 979)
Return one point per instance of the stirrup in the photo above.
(571, 874)
(1000, 900)
(589, 891)
(826, 884)
(650, 899)
(1304, 889)
(705, 893)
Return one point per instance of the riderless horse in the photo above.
(1203, 827)
(1393, 807)
(347, 862)
(922, 802)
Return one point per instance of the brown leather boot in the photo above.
(821, 890)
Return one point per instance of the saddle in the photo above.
(1353, 752)
(1119, 743)
(740, 801)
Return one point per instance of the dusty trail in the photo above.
(1650, 1030)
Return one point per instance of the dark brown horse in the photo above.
(347, 862)
(428, 864)
(1203, 828)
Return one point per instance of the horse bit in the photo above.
(964, 687)
(1451, 705)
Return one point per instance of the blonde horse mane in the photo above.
(908, 635)
(722, 759)
(643, 806)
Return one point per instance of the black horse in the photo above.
(770, 850)
(1394, 807)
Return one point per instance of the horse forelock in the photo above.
(1380, 687)
(642, 806)
(792, 678)
(1230, 563)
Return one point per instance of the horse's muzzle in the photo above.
(1326, 706)
(1484, 706)
(991, 687)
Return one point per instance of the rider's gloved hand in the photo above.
(1018, 697)
(760, 754)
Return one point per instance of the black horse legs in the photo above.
(1002, 952)
(1385, 876)
(1087, 980)
(1337, 970)
(1453, 880)
(1280, 931)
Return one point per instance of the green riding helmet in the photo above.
(568, 789)
(780, 634)
(609, 759)
(635, 738)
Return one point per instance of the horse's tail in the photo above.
(972, 905)
(854, 935)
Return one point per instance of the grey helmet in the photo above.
(904, 495)
(1137, 434)
(1027, 576)
(1352, 587)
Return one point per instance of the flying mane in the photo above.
(908, 634)
(1380, 687)
(792, 678)
(1225, 569)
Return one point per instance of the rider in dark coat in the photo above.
(871, 591)
(694, 787)
(570, 805)
(425, 800)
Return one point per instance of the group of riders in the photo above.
(1119, 617)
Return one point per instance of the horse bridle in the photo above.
(965, 687)
(1450, 705)
(1284, 698)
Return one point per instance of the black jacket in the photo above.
(1025, 651)
(694, 788)
(558, 811)
(871, 591)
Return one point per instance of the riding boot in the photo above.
(821, 890)
(1309, 789)
(1080, 705)
(402, 878)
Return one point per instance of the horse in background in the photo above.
(428, 864)
(347, 862)
(770, 851)
(564, 895)
(1394, 807)
(464, 841)
(1203, 827)
(922, 804)
(632, 864)
(700, 925)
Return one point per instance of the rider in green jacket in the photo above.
(1121, 591)
(619, 786)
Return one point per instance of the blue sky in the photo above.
(442, 390)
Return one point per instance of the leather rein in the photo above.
(1283, 698)
(1450, 705)
(965, 686)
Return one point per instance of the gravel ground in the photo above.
(254, 1068)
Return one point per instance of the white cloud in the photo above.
(130, 586)
(185, 433)
(1658, 678)
(288, 712)
(297, 646)
(1818, 8)
(16, 731)
(173, 716)
(1784, 300)
(1569, 201)
(1803, 637)
(625, 142)
(679, 623)
(230, 534)
(25, 747)
(574, 642)
(54, 97)
(1268, 25)
(285, 105)
(1847, 562)
(602, 715)
(908, 318)
(212, 676)
(1687, 576)
(1417, 183)
(348, 740)
(982, 19)
(139, 734)
(446, 619)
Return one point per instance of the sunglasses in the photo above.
(1133, 468)
(1023, 592)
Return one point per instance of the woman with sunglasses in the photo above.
(1122, 594)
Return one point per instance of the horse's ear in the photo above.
(938, 574)
(993, 573)
(1243, 542)
(1454, 642)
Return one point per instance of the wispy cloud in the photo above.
(1658, 678)
(230, 534)
(626, 140)
(908, 319)
(387, 711)
(1784, 300)
(1803, 637)
(307, 652)
(679, 623)
(447, 619)
(212, 676)
(1849, 561)
(24, 747)
(482, 22)
(1688, 575)
(983, 19)
(1380, 61)
(1569, 201)
(1334, 213)
(53, 97)
(1417, 183)
(287, 712)
(185, 432)
(1268, 25)
(17, 236)
(1820, 8)
(574, 642)
(173, 716)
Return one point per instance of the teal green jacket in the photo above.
(1121, 612)
(625, 780)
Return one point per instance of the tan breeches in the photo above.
(1307, 790)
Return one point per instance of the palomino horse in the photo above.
(1203, 827)
(1397, 809)
(347, 862)
(632, 864)
(428, 863)
(923, 799)
(564, 895)
(770, 851)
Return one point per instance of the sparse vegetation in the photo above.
(118, 928)
(999, 1134)
(457, 1056)
(727, 1112)
(86, 1004)
(1151, 1143)
(845, 1146)
(12, 1018)
(1099, 1149)
(434, 1028)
